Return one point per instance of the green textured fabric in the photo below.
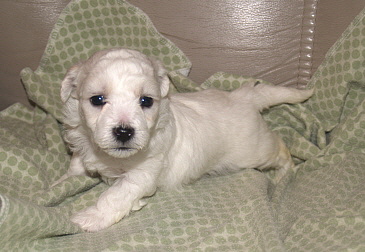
(86, 27)
(318, 206)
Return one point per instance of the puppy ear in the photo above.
(162, 76)
(68, 85)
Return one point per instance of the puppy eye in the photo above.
(97, 100)
(146, 102)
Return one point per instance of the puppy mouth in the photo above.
(120, 152)
(123, 149)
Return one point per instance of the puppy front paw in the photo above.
(92, 219)
(138, 205)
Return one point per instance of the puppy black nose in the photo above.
(123, 134)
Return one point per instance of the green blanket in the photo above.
(318, 206)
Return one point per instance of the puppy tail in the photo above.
(266, 96)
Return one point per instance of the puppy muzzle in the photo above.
(123, 145)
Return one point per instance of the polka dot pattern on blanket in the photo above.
(343, 65)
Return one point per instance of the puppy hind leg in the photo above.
(284, 161)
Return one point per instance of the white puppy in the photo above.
(122, 124)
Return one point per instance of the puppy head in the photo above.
(115, 96)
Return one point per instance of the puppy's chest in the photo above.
(111, 168)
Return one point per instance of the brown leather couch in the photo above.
(280, 41)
